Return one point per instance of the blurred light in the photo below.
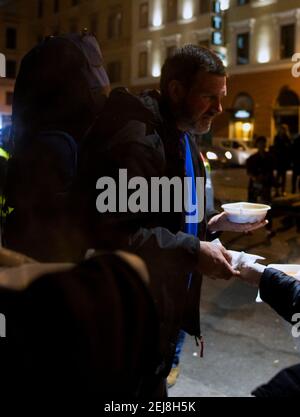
(211, 156)
(225, 4)
(187, 10)
(228, 155)
(246, 127)
(263, 55)
(156, 70)
(242, 114)
(157, 15)
(156, 65)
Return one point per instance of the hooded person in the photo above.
(60, 89)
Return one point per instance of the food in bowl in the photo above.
(244, 212)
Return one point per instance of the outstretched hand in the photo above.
(221, 223)
(215, 262)
(252, 273)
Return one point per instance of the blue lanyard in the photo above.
(190, 228)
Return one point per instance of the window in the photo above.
(114, 70)
(242, 2)
(204, 6)
(55, 6)
(144, 15)
(11, 69)
(40, 8)
(143, 64)
(114, 29)
(242, 49)
(73, 25)
(170, 51)
(9, 98)
(172, 10)
(287, 41)
(11, 38)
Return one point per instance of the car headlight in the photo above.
(211, 156)
(228, 155)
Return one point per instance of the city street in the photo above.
(245, 343)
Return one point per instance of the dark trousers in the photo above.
(280, 180)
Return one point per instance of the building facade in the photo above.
(23, 23)
(257, 40)
(13, 45)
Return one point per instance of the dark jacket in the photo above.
(282, 293)
(140, 135)
(260, 170)
(81, 335)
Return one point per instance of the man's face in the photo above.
(199, 105)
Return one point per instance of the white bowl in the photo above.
(290, 269)
(244, 212)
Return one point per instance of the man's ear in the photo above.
(176, 91)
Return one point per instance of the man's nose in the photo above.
(218, 106)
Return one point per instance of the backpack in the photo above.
(58, 94)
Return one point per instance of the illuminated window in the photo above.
(287, 41)
(242, 49)
(144, 15)
(172, 8)
(143, 64)
(114, 27)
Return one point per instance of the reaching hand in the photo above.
(215, 262)
(220, 223)
(252, 273)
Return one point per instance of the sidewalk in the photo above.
(245, 343)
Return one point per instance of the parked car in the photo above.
(215, 155)
(235, 151)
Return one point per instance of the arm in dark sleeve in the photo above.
(286, 384)
(281, 292)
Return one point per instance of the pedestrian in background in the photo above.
(296, 165)
(260, 170)
(282, 157)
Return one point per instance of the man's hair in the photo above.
(185, 63)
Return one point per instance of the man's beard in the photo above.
(191, 124)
